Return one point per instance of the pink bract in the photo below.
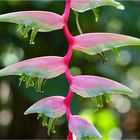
(84, 5)
(94, 43)
(91, 86)
(82, 128)
(41, 67)
(45, 21)
(52, 107)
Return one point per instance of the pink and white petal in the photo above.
(52, 107)
(95, 43)
(92, 86)
(45, 21)
(84, 5)
(40, 67)
(82, 128)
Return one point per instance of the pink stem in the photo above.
(67, 59)
(67, 11)
(67, 103)
(70, 137)
(68, 112)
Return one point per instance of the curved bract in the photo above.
(41, 67)
(92, 86)
(95, 43)
(44, 21)
(52, 107)
(81, 128)
(84, 5)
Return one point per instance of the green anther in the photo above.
(42, 84)
(94, 102)
(33, 35)
(40, 115)
(51, 126)
(48, 122)
(29, 81)
(108, 97)
(38, 83)
(21, 28)
(22, 78)
(32, 80)
(99, 101)
(96, 14)
(115, 51)
(44, 119)
(26, 31)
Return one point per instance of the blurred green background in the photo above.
(118, 120)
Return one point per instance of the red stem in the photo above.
(67, 58)
(67, 102)
(67, 11)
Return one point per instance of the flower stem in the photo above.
(68, 112)
(67, 58)
(67, 10)
(67, 103)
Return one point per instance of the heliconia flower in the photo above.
(84, 5)
(34, 70)
(52, 107)
(95, 43)
(82, 129)
(34, 20)
(92, 86)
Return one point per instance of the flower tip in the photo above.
(26, 112)
(100, 136)
(121, 7)
(134, 95)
